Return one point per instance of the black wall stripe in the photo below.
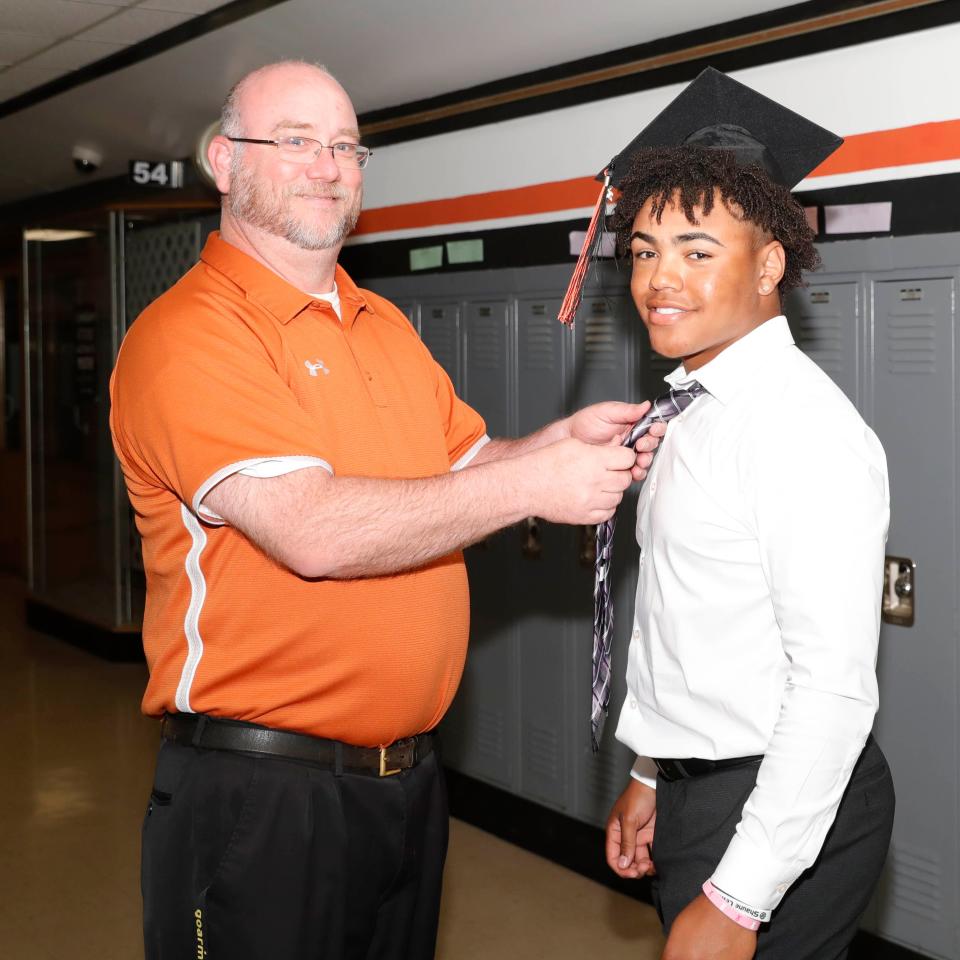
(932, 15)
(920, 205)
(880, 27)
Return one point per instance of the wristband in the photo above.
(735, 911)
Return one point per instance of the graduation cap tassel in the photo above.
(571, 302)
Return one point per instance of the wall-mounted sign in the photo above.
(157, 173)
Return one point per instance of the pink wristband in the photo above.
(727, 908)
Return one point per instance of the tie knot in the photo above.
(667, 406)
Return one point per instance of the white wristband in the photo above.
(739, 912)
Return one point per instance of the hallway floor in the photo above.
(78, 762)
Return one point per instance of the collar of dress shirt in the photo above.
(733, 369)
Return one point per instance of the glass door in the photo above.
(74, 562)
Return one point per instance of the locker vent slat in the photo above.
(911, 343)
(486, 343)
(916, 881)
(821, 339)
(542, 753)
(490, 725)
(539, 338)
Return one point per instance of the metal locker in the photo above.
(440, 330)
(411, 310)
(825, 321)
(915, 415)
(605, 368)
(481, 737)
(548, 578)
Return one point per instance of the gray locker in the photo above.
(826, 324)
(915, 415)
(885, 333)
(606, 365)
(548, 576)
(482, 734)
(440, 330)
(412, 310)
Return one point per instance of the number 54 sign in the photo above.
(162, 173)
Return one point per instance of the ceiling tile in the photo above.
(131, 26)
(51, 18)
(73, 54)
(13, 84)
(15, 46)
(103, 3)
(183, 6)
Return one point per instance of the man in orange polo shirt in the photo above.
(304, 478)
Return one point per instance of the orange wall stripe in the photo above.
(518, 201)
(923, 143)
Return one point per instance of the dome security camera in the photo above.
(86, 159)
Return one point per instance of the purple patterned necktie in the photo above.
(663, 409)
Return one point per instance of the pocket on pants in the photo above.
(223, 811)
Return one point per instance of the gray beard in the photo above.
(250, 204)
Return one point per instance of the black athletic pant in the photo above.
(819, 914)
(255, 858)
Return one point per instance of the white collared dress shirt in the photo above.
(761, 527)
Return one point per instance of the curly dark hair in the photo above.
(693, 174)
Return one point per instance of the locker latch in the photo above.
(532, 545)
(899, 594)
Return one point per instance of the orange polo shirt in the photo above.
(234, 369)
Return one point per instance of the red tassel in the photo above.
(571, 302)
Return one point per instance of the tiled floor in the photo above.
(77, 761)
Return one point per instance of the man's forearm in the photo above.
(346, 527)
(503, 449)
(386, 526)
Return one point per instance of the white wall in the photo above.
(888, 84)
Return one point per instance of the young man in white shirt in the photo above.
(766, 818)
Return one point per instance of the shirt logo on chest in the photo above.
(316, 365)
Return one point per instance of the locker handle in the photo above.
(899, 590)
(587, 553)
(532, 547)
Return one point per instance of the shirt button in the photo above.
(633, 703)
(653, 486)
(636, 634)
(782, 887)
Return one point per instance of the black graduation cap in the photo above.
(717, 111)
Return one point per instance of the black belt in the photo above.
(693, 767)
(209, 733)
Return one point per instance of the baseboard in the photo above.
(116, 646)
(579, 847)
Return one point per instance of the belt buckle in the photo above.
(386, 771)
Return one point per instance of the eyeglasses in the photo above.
(305, 150)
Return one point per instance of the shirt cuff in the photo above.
(263, 468)
(470, 454)
(645, 770)
(752, 876)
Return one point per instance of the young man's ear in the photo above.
(773, 263)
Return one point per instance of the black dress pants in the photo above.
(258, 858)
(819, 915)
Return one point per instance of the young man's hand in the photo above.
(702, 932)
(630, 831)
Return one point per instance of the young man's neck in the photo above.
(690, 364)
(309, 270)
